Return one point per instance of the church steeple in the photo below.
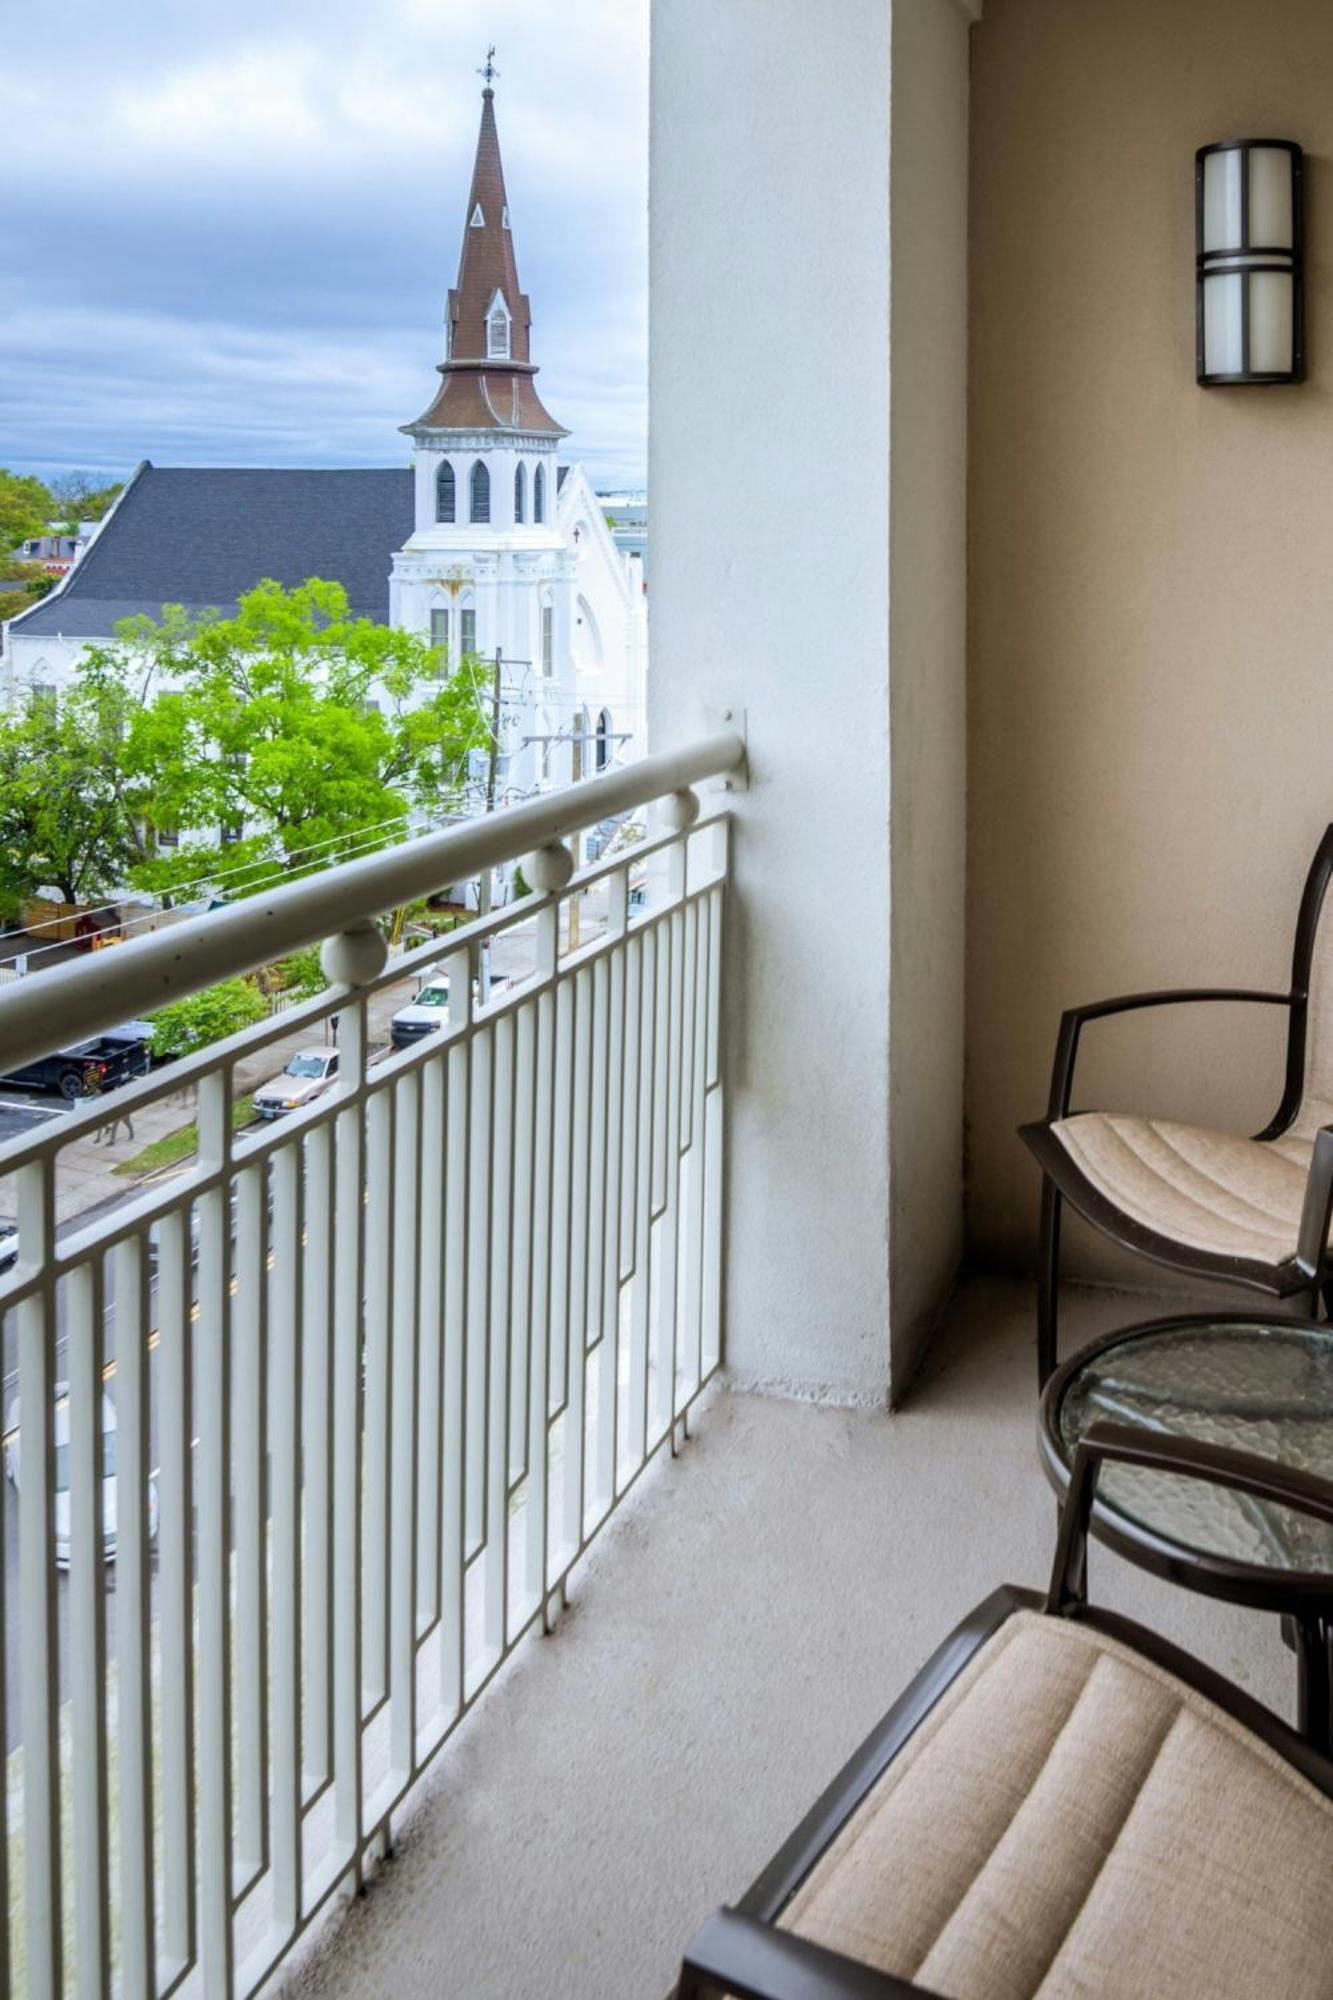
(487, 371)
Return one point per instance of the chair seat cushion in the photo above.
(1205, 1190)
(1071, 1820)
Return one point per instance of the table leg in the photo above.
(1314, 1683)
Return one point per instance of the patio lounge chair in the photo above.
(1061, 1804)
(1251, 1212)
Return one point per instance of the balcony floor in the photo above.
(740, 1625)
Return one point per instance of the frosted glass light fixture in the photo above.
(1250, 286)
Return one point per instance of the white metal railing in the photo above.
(379, 1370)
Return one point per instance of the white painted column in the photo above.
(771, 463)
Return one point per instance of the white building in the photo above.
(487, 544)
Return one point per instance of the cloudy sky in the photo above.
(228, 232)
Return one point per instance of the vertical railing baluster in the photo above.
(285, 1291)
(317, 1496)
(378, 1365)
(87, 1633)
(477, 1384)
(217, 1947)
(250, 1369)
(521, 1249)
(38, 1657)
(403, 1455)
(594, 1317)
(431, 1413)
(348, 1323)
(639, 985)
(453, 1468)
(576, 1370)
(609, 1384)
(138, 1953)
(500, 1171)
(175, 1585)
(715, 1102)
(539, 1416)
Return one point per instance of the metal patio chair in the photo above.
(1251, 1212)
(1061, 1803)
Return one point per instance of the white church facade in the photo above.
(492, 542)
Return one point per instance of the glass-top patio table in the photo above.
(1261, 1384)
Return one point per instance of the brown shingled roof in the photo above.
(477, 394)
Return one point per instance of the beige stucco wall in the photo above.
(1151, 569)
(927, 664)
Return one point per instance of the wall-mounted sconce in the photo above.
(1249, 214)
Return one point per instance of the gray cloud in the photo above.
(233, 235)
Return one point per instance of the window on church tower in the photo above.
(548, 638)
(444, 493)
(439, 632)
(520, 493)
(539, 494)
(497, 333)
(467, 637)
(481, 492)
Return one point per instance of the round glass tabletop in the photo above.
(1258, 1386)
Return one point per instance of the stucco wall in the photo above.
(829, 604)
(927, 662)
(1151, 615)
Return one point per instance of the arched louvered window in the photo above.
(445, 502)
(604, 739)
(520, 493)
(481, 492)
(539, 494)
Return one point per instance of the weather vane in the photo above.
(490, 72)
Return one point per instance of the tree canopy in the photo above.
(282, 737)
(67, 817)
(25, 508)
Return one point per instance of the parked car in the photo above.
(307, 1076)
(88, 1067)
(430, 1009)
(60, 1439)
(9, 1246)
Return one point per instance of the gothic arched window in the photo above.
(497, 332)
(539, 494)
(604, 739)
(520, 493)
(480, 485)
(444, 493)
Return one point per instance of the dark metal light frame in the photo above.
(1217, 263)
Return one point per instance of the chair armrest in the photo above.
(742, 1957)
(1073, 1018)
(1122, 1444)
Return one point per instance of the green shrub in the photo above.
(301, 972)
(186, 1025)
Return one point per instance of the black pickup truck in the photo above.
(85, 1069)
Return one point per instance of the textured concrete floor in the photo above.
(736, 1630)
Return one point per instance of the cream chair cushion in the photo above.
(1208, 1190)
(1069, 1821)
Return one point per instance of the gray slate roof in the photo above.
(201, 536)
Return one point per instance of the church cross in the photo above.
(490, 72)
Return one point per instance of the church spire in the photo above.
(487, 370)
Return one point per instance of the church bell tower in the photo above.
(486, 566)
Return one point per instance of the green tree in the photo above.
(67, 815)
(25, 508)
(77, 496)
(285, 736)
(21, 585)
(186, 1025)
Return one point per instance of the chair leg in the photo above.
(1048, 1281)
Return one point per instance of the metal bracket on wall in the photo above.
(716, 721)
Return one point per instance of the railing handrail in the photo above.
(72, 1002)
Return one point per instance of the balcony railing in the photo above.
(379, 1370)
